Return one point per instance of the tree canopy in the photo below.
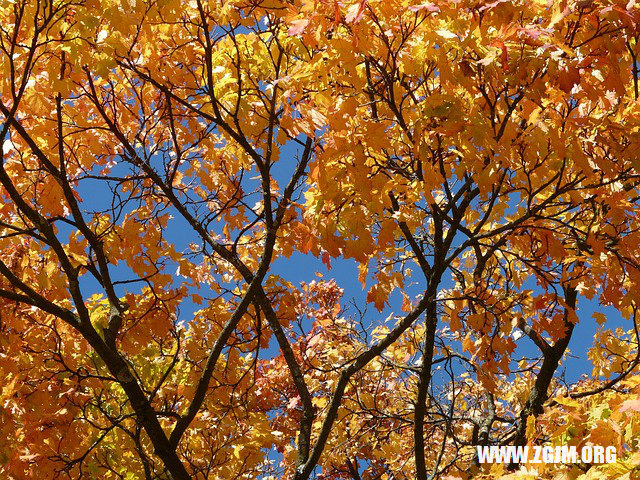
(171, 170)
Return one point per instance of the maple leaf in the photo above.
(355, 12)
(428, 6)
(298, 26)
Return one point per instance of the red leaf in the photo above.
(326, 259)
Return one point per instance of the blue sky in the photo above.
(306, 268)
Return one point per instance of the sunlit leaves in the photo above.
(473, 163)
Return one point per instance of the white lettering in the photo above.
(610, 454)
(537, 449)
(483, 454)
(547, 454)
(586, 454)
(598, 454)
(517, 454)
(566, 454)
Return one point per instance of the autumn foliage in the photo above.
(184, 185)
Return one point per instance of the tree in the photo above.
(161, 159)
